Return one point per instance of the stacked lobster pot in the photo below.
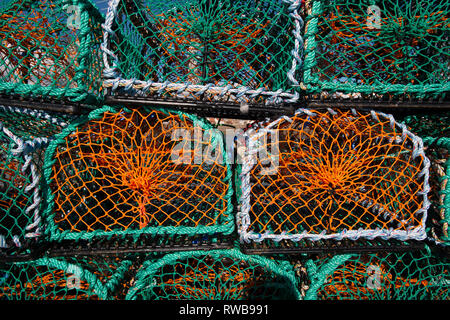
(223, 149)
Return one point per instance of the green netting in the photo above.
(214, 275)
(29, 124)
(377, 47)
(51, 48)
(18, 212)
(231, 51)
(24, 135)
(428, 125)
(71, 278)
(131, 172)
(382, 276)
(437, 150)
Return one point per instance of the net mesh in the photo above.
(333, 175)
(71, 278)
(377, 47)
(225, 275)
(437, 150)
(204, 49)
(140, 172)
(381, 276)
(50, 48)
(24, 135)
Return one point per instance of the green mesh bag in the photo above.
(69, 278)
(210, 50)
(417, 275)
(361, 48)
(24, 135)
(51, 49)
(437, 150)
(122, 172)
(214, 275)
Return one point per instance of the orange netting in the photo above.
(337, 172)
(45, 284)
(207, 278)
(131, 170)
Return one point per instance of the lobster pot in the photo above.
(50, 49)
(214, 275)
(333, 175)
(238, 52)
(69, 278)
(437, 149)
(134, 172)
(382, 276)
(23, 137)
(381, 48)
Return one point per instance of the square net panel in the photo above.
(371, 48)
(134, 172)
(203, 50)
(19, 212)
(62, 278)
(24, 135)
(333, 175)
(214, 275)
(51, 49)
(420, 275)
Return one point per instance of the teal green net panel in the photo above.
(438, 151)
(130, 172)
(23, 138)
(72, 278)
(228, 51)
(363, 48)
(51, 49)
(214, 275)
(29, 124)
(417, 275)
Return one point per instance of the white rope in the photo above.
(240, 93)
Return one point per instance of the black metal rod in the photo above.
(394, 105)
(43, 104)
